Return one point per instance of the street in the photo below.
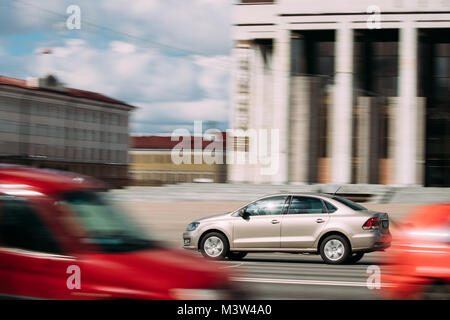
(271, 275)
(296, 276)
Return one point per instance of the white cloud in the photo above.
(135, 8)
(122, 47)
(183, 111)
(170, 86)
(199, 26)
(167, 89)
(167, 116)
(215, 74)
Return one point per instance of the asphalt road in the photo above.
(297, 276)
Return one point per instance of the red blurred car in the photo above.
(59, 239)
(418, 263)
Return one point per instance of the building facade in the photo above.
(151, 161)
(359, 93)
(44, 124)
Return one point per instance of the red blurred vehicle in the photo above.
(418, 263)
(59, 239)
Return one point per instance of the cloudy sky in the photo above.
(170, 58)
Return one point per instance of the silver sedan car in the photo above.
(340, 230)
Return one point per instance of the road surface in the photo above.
(297, 276)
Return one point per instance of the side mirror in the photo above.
(243, 213)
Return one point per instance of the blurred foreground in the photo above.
(60, 238)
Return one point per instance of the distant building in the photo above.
(151, 161)
(44, 124)
(355, 101)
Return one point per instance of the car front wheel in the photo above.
(214, 246)
(334, 249)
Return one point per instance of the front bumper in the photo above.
(401, 286)
(190, 240)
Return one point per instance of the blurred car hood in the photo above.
(152, 272)
(215, 217)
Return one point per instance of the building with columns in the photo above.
(357, 96)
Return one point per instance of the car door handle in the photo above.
(320, 220)
(274, 221)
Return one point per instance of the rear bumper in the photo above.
(383, 242)
(371, 241)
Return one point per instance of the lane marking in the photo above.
(305, 282)
(300, 268)
(232, 266)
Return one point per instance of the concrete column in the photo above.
(241, 92)
(341, 110)
(406, 114)
(268, 105)
(420, 146)
(299, 129)
(281, 69)
(259, 109)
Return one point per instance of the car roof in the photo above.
(305, 194)
(43, 180)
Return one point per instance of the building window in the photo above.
(241, 144)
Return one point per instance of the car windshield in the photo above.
(106, 225)
(349, 203)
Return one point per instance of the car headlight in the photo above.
(192, 226)
(199, 294)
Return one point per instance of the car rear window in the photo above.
(301, 205)
(349, 203)
(330, 207)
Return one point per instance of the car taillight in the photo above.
(371, 224)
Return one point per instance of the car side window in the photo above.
(301, 205)
(330, 207)
(22, 228)
(268, 206)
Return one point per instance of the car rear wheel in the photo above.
(236, 255)
(355, 257)
(334, 249)
(214, 246)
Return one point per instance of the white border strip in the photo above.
(305, 282)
